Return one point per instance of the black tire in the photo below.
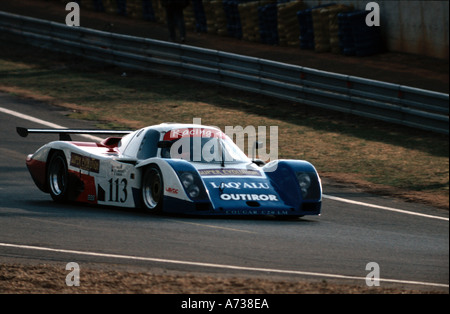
(58, 177)
(152, 191)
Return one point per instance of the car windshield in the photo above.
(204, 149)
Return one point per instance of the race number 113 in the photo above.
(118, 190)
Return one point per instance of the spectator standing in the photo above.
(175, 17)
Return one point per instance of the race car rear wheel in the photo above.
(152, 189)
(57, 177)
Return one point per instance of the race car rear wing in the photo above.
(64, 134)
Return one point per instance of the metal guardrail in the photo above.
(413, 107)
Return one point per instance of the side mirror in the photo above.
(256, 145)
(258, 162)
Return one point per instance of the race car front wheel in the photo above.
(152, 189)
(57, 177)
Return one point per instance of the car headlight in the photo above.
(194, 191)
(304, 181)
(187, 179)
(190, 185)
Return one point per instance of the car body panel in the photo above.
(110, 173)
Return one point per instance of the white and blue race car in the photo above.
(172, 168)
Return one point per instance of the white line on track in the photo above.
(339, 199)
(211, 226)
(43, 122)
(95, 138)
(222, 266)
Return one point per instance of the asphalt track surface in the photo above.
(412, 251)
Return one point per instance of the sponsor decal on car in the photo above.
(248, 197)
(256, 212)
(171, 190)
(229, 172)
(85, 163)
(193, 132)
(240, 185)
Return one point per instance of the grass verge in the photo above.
(384, 158)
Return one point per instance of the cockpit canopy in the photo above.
(193, 143)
